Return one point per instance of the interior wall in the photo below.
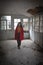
(31, 34)
(10, 34)
(37, 37)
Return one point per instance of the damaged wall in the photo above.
(35, 35)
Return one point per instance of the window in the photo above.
(31, 23)
(5, 22)
(8, 24)
(38, 23)
(3, 25)
(16, 22)
(25, 24)
(41, 23)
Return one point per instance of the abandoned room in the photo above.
(30, 14)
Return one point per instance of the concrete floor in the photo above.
(28, 54)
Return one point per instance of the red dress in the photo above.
(21, 34)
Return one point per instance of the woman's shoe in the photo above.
(19, 47)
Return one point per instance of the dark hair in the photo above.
(20, 24)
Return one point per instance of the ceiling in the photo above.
(36, 10)
(18, 6)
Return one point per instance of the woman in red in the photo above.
(19, 35)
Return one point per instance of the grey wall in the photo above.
(16, 7)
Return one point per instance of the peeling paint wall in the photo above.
(37, 37)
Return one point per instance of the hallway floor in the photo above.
(28, 54)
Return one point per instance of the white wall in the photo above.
(37, 37)
(10, 34)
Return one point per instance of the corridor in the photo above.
(30, 14)
(28, 54)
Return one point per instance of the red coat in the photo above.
(21, 34)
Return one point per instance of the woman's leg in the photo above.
(19, 43)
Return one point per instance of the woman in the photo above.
(19, 35)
